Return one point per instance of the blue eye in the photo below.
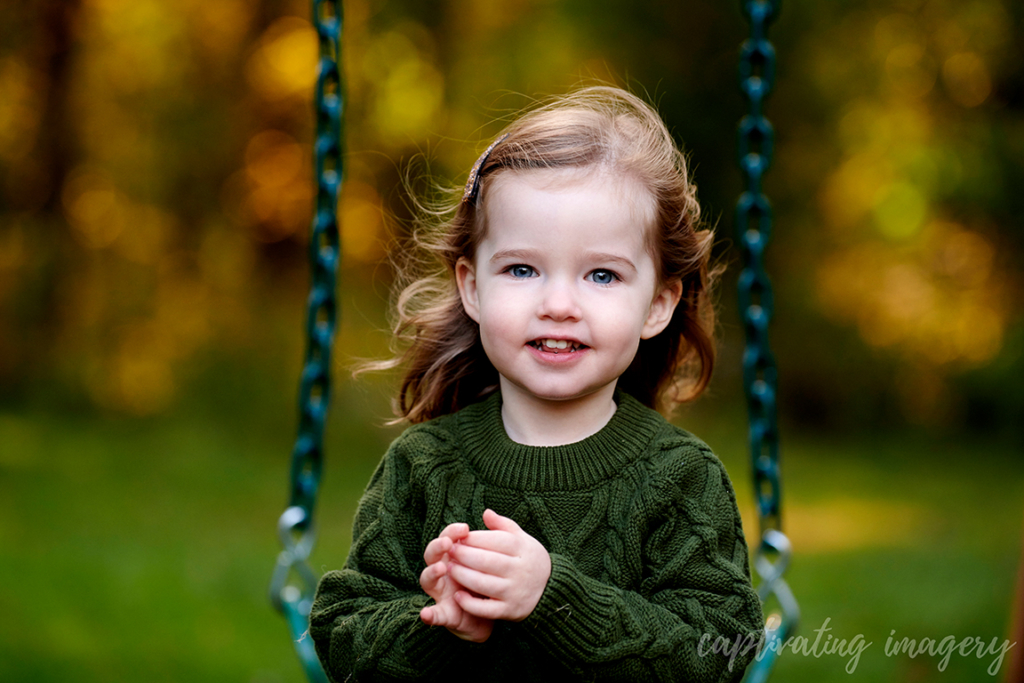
(520, 271)
(603, 277)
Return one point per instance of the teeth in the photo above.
(559, 344)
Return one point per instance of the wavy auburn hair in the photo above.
(438, 344)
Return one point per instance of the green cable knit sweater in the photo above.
(647, 556)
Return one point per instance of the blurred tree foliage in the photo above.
(155, 180)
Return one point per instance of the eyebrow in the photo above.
(603, 257)
(599, 256)
(513, 254)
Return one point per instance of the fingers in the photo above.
(455, 531)
(497, 541)
(466, 626)
(495, 522)
(504, 535)
(449, 614)
(480, 607)
(503, 542)
(436, 549)
(431, 578)
(475, 629)
(443, 613)
(481, 559)
(427, 615)
(485, 584)
(478, 576)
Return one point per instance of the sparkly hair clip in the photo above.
(473, 182)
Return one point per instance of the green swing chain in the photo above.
(756, 302)
(295, 527)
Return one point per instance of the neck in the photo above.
(533, 421)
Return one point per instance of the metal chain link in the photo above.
(296, 527)
(753, 226)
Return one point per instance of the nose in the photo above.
(559, 302)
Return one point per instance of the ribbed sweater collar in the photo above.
(582, 464)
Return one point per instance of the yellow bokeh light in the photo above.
(846, 523)
(274, 197)
(851, 191)
(181, 313)
(938, 303)
(409, 97)
(145, 237)
(967, 257)
(226, 258)
(384, 51)
(879, 139)
(906, 293)
(967, 79)
(13, 248)
(902, 125)
(139, 44)
(145, 385)
(222, 25)
(101, 216)
(856, 123)
(950, 36)
(276, 213)
(978, 334)
(484, 17)
(95, 208)
(842, 280)
(361, 223)
(284, 64)
(900, 211)
(19, 106)
(409, 101)
(136, 377)
(910, 70)
(895, 30)
(141, 381)
(274, 158)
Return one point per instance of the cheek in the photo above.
(627, 315)
(630, 344)
(497, 322)
(500, 305)
(496, 329)
(625, 324)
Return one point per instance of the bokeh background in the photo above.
(155, 191)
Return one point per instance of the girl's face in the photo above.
(563, 286)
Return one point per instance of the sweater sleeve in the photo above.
(696, 591)
(365, 620)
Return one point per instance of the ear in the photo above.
(465, 279)
(662, 308)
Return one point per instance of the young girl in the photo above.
(540, 520)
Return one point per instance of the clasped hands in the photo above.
(476, 577)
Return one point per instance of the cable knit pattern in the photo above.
(647, 556)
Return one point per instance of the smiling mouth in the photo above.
(557, 346)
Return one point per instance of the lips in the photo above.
(556, 346)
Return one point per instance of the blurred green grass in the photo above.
(141, 550)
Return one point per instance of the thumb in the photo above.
(495, 522)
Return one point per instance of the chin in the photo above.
(562, 394)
